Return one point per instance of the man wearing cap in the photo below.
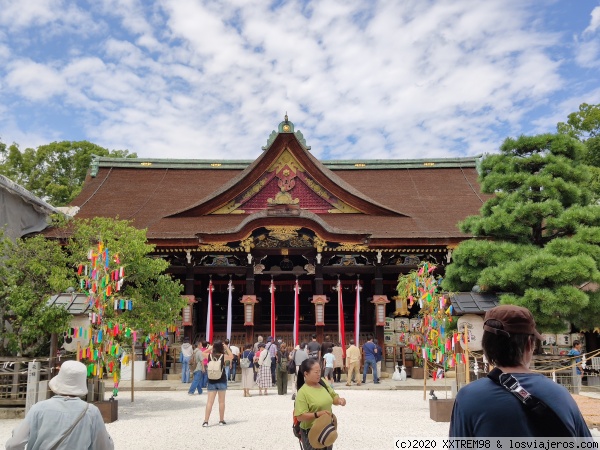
(63, 421)
(486, 408)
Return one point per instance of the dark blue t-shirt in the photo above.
(369, 349)
(485, 409)
(379, 354)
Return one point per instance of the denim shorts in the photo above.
(217, 387)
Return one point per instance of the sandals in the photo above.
(205, 424)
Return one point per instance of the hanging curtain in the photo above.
(229, 313)
(209, 314)
(296, 314)
(357, 313)
(341, 324)
(272, 289)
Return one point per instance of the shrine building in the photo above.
(288, 217)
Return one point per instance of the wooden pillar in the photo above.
(320, 329)
(378, 280)
(53, 352)
(319, 278)
(250, 279)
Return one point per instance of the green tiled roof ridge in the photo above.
(347, 164)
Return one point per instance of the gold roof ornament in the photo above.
(283, 233)
(319, 243)
(247, 244)
(215, 247)
(350, 247)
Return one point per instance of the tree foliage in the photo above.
(34, 269)
(31, 270)
(582, 124)
(54, 172)
(156, 296)
(537, 238)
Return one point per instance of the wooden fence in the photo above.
(13, 379)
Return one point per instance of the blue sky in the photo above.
(362, 79)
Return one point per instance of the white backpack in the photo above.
(215, 368)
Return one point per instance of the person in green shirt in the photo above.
(313, 399)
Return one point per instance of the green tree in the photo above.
(156, 297)
(585, 126)
(31, 270)
(537, 238)
(54, 172)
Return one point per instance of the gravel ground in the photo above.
(173, 419)
(160, 420)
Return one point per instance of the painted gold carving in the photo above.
(283, 233)
(350, 247)
(319, 243)
(232, 206)
(228, 208)
(247, 244)
(342, 208)
(215, 247)
(283, 198)
(253, 190)
(286, 159)
(339, 206)
(317, 188)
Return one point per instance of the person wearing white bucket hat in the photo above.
(63, 421)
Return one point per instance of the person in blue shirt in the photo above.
(378, 356)
(64, 421)
(370, 350)
(484, 408)
(577, 369)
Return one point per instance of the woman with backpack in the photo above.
(247, 363)
(282, 356)
(217, 380)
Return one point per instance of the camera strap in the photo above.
(542, 416)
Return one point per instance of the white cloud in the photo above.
(594, 22)
(192, 78)
(35, 81)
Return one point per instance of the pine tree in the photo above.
(537, 237)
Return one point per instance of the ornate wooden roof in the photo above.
(379, 203)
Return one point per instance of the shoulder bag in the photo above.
(291, 365)
(66, 433)
(265, 359)
(541, 415)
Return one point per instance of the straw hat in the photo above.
(323, 433)
(71, 379)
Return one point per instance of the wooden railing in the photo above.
(13, 379)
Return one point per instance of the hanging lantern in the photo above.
(380, 301)
(249, 301)
(319, 301)
(187, 313)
